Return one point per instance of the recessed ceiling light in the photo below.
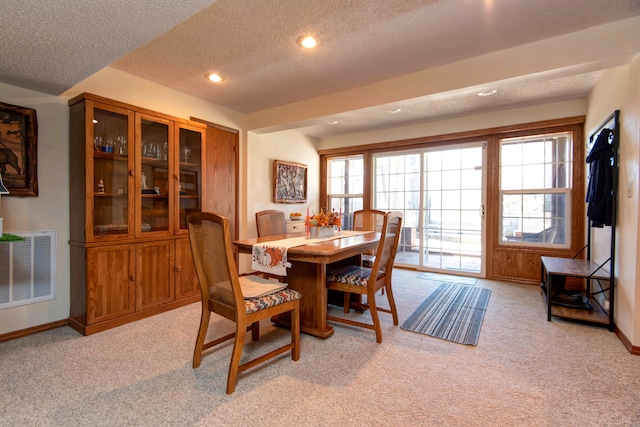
(308, 42)
(216, 78)
(394, 111)
(488, 92)
(333, 122)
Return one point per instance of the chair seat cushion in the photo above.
(350, 274)
(280, 297)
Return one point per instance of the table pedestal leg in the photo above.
(309, 279)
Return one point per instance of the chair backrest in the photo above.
(271, 223)
(386, 252)
(214, 261)
(368, 220)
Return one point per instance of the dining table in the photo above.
(307, 273)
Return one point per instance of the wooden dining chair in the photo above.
(365, 220)
(357, 279)
(271, 223)
(221, 292)
(368, 220)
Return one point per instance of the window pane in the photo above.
(512, 205)
(451, 199)
(346, 175)
(434, 200)
(434, 161)
(539, 218)
(434, 180)
(511, 178)
(348, 205)
(450, 179)
(511, 154)
(533, 170)
(412, 200)
(396, 182)
(412, 181)
(471, 179)
(533, 176)
(450, 159)
(471, 158)
(355, 185)
(470, 199)
(336, 185)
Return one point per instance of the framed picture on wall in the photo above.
(289, 182)
(18, 149)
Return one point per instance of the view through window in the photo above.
(440, 193)
(535, 189)
(345, 186)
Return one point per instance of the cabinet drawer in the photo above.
(295, 226)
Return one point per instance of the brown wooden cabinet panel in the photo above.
(516, 265)
(110, 282)
(221, 181)
(154, 274)
(187, 284)
(136, 174)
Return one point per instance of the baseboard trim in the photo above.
(33, 330)
(626, 343)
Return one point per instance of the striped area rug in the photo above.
(452, 312)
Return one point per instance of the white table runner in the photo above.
(271, 257)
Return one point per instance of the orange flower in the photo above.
(327, 219)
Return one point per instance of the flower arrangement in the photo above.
(325, 219)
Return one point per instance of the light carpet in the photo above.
(452, 312)
(525, 372)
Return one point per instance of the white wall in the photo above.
(619, 89)
(262, 150)
(50, 210)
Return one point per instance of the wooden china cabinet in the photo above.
(135, 175)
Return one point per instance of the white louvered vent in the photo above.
(28, 269)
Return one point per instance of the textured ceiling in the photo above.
(51, 46)
(369, 52)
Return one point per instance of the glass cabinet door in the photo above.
(111, 202)
(154, 185)
(190, 172)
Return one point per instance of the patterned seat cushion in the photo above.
(257, 304)
(350, 274)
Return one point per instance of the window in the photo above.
(346, 186)
(535, 189)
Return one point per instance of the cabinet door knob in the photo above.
(176, 177)
(178, 268)
(131, 172)
(132, 277)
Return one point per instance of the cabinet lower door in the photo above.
(186, 278)
(154, 269)
(110, 282)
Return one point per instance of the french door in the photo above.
(440, 192)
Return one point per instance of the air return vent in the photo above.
(28, 269)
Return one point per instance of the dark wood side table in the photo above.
(579, 268)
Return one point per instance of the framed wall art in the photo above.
(18, 149)
(289, 182)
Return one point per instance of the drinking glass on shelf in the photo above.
(122, 145)
(186, 154)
